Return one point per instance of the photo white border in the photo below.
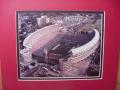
(100, 77)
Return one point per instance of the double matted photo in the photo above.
(60, 45)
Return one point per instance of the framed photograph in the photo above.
(60, 44)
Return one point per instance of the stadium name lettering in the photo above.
(75, 18)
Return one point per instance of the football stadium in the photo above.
(60, 45)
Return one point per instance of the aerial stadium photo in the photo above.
(54, 45)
